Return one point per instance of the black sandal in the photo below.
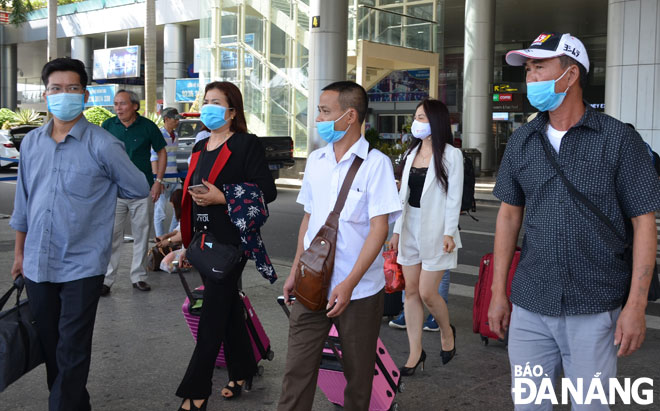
(235, 391)
(238, 388)
(193, 407)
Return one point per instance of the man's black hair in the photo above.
(351, 95)
(565, 61)
(64, 64)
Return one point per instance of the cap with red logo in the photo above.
(549, 45)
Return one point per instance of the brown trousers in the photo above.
(358, 327)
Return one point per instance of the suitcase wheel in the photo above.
(484, 340)
(270, 355)
(394, 407)
(401, 387)
(260, 370)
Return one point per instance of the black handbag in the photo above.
(20, 348)
(212, 259)
(654, 287)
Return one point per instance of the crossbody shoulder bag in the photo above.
(316, 263)
(654, 288)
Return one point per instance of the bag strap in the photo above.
(575, 193)
(18, 284)
(346, 185)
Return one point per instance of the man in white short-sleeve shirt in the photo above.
(356, 290)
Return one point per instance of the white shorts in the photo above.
(409, 245)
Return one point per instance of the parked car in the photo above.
(7, 150)
(279, 149)
(17, 133)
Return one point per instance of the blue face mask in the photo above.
(66, 106)
(541, 94)
(213, 116)
(327, 130)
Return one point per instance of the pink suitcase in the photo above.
(331, 378)
(260, 341)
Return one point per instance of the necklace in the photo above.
(223, 141)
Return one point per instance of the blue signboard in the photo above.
(101, 95)
(186, 89)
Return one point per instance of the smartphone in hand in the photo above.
(198, 189)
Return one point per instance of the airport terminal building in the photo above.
(281, 52)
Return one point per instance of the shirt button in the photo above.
(48, 210)
(54, 169)
(46, 231)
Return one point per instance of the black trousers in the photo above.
(222, 320)
(64, 314)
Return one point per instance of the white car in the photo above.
(7, 151)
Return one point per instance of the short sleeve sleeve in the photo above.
(382, 194)
(637, 183)
(305, 194)
(507, 187)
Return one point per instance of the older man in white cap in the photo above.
(587, 190)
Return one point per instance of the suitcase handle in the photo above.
(328, 341)
(186, 287)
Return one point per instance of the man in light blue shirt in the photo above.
(69, 177)
(171, 119)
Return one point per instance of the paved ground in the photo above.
(142, 346)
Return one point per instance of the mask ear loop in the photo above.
(562, 76)
(342, 116)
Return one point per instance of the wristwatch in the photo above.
(160, 180)
(169, 240)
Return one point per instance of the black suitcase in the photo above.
(393, 304)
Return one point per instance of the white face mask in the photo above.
(420, 130)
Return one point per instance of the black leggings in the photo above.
(222, 320)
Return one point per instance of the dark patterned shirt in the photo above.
(571, 262)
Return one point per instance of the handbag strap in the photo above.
(575, 193)
(18, 284)
(346, 185)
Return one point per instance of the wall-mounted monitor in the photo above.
(118, 62)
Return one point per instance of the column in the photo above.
(9, 79)
(632, 77)
(477, 79)
(327, 56)
(174, 62)
(81, 49)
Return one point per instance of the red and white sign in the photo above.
(506, 97)
(4, 17)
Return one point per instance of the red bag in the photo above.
(394, 281)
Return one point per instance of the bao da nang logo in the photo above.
(529, 389)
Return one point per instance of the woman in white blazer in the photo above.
(426, 235)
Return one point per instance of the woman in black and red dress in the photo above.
(221, 318)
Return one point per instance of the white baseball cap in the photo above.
(549, 45)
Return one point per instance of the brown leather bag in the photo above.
(314, 269)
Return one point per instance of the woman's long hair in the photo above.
(235, 101)
(438, 116)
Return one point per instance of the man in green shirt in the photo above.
(139, 136)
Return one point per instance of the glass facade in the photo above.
(263, 47)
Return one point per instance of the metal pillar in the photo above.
(9, 82)
(150, 57)
(81, 49)
(51, 52)
(327, 56)
(174, 62)
(478, 78)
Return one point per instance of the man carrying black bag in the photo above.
(69, 177)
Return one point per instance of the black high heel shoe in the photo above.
(408, 371)
(193, 407)
(448, 355)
